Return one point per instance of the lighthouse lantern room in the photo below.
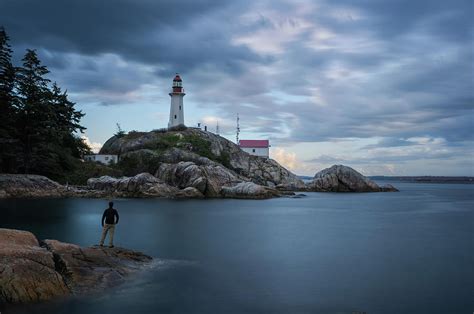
(176, 107)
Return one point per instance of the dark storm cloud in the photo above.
(178, 35)
(413, 77)
(295, 71)
(449, 20)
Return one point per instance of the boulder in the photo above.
(32, 272)
(28, 185)
(206, 178)
(27, 271)
(141, 185)
(339, 178)
(189, 192)
(249, 190)
(94, 268)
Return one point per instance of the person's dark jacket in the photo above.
(109, 216)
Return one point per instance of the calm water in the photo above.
(407, 252)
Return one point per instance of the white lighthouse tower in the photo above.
(176, 108)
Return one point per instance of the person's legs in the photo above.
(105, 228)
(111, 235)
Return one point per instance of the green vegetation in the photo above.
(224, 159)
(89, 169)
(38, 132)
(199, 146)
(136, 163)
(133, 134)
(164, 142)
(120, 132)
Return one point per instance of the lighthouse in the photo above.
(176, 107)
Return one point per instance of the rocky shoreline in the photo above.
(33, 270)
(185, 181)
(189, 163)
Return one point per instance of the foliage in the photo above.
(8, 133)
(39, 122)
(224, 159)
(161, 143)
(120, 132)
(200, 146)
(88, 169)
(135, 163)
(180, 127)
(134, 134)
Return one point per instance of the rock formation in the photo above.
(149, 150)
(207, 178)
(20, 185)
(339, 178)
(249, 190)
(32, 271)
(143, 184)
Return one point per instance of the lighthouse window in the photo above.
(253, 150)
(179, 107)
(175, 116)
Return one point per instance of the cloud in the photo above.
(95, 147)
(382, 74)
(287, 159)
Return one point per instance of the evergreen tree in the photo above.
(40, 125)
(8, 136)
(36, 117)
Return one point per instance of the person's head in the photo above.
(111, 204)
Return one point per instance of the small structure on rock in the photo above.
(256, 147)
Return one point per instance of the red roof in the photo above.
(254, 143)
(177, 78)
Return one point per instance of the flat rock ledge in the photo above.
(29, 186)
(33, 271)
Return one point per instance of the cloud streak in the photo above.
(382, 73)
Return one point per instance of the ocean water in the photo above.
(406, 252)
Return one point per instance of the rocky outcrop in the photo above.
(249, 190)
(339, 178)
(27, 271)
(141, 185)
(31, 272)
(201, 148)
(28, 185)
(94, 268)
(207, 178)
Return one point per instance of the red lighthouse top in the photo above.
(177, 84)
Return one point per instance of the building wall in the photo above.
(176, 110)
(257, 151)
(104, 159)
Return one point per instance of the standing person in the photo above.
(110, 215)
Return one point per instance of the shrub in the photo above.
(200, 146)
(134, 134)
(89, 169)
(134, 164)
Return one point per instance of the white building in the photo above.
(103, 159)
(176, 108)
(256, 147)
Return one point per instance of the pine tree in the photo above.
(36, 117)
(8, 136)
(40, 125)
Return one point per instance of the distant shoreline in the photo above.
(416, 179)
(426, 179)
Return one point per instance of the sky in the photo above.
(386, 87)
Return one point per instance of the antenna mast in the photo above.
(238, 130)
